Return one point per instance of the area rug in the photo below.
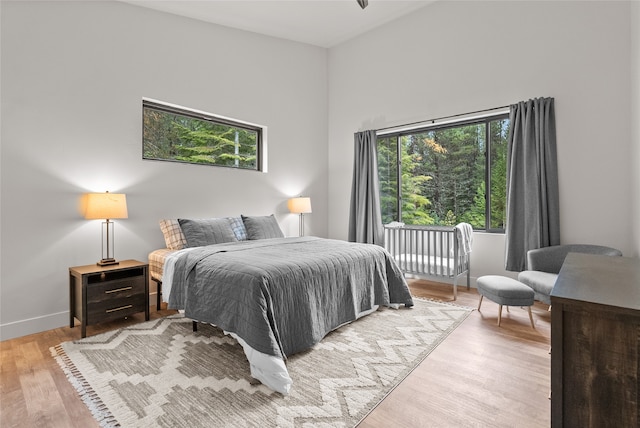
(162, 374)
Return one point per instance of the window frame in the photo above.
(486, 120)
(260, 130)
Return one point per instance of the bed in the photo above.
(277, 296)
(431, 251)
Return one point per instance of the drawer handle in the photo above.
(118, 289)
(119, 309)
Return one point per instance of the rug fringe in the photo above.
(96, 406)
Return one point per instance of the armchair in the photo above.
(544, 265)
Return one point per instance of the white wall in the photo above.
(635, 123)
(458, 57)
(73, 77)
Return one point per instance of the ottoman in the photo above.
(505, 292)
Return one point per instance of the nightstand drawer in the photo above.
(114, 290)
(111, 309)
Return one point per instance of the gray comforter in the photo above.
(284, 295)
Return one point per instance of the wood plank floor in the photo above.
(482, 375)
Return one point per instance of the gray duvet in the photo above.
(284, 295)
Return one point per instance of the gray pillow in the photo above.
(209, 231)
(262, 227)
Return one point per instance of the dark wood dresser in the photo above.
(595, 342)
(104, 293)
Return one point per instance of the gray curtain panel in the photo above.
(365, 218)
(533, 209)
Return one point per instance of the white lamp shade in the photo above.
(301, 205)
(105, 206)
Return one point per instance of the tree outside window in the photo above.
(439, 175)
(182, 135)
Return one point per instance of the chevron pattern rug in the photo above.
(160, 373)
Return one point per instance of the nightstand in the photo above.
(105, 293)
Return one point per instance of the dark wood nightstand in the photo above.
(105, 293)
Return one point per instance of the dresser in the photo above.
(595, 342)
(105, 293)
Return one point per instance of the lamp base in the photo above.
(107, 262)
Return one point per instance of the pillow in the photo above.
(173, 237)
(262, 227)
(238, 228)
(209, 231)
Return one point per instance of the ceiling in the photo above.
(323, 23)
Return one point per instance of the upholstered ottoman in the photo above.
(505, 292)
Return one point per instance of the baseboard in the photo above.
(29, 326)
(20, 328)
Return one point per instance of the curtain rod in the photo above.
(442, 118)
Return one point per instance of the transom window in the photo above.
(439, 175)
(179, 134)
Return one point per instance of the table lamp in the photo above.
(300, 205)
(106, 206)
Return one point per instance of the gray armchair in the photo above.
(545, 263)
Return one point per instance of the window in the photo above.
(178, 134)
(438, 175)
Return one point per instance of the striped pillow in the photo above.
(238, 228)
(173, 236)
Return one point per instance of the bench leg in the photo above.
(531, 317)
(194, 325)
(480, 303)
(499, 315)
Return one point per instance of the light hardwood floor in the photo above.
(482, 375)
